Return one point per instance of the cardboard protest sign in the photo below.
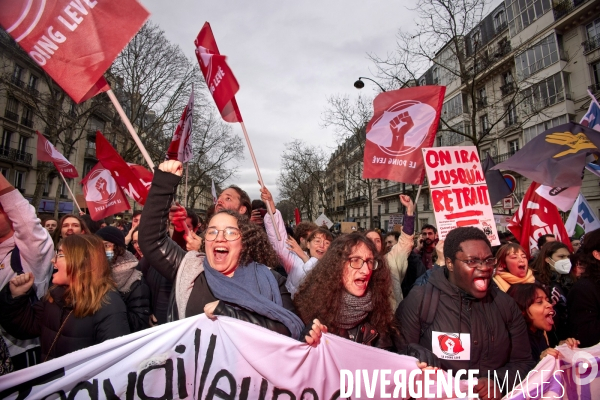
(349, 227)
(322, 219)
(459, 190)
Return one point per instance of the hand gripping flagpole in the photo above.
(260, 179)
(135, 136)
(69, 189)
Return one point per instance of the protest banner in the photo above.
(197, 358)
(403, 122)
(323, 220)
(459, 190)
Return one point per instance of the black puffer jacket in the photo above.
(499, 340)
(584, 311)
(44, 320)
(166, 256)
(160, 290)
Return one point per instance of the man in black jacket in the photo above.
(464, 321)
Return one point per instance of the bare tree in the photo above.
(350, 119)
(453, 46)
(302, 178)
(286, 208)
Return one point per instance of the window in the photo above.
(17, 73)
(511, 114)
(47, 186)
(12, 109)
(544, 94)
(4, 172)
(541, 55)
(533, 131)
(596, 76)
(476, 40)
(507, 78)
(452, 107)
(593, 29)
(19, 181)
(96, 125)
(484, 123)
(6, 136)
(522, 13)
(451, 138)
(500, 21)
(436, 76)
(33, 81)
(513, 146)
(22, 143)
(423, 221)
(27, 117)
(481, 98)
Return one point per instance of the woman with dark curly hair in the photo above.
(230, 277)
(584, 297)
(349, 291)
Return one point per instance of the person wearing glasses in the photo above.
(459, 320)
(348, 293)
(231, 276)
(82, 307)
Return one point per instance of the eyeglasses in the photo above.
(479, 263)
(230, 234)
(357, 263)
(57, 255)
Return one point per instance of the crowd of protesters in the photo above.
(73, 283)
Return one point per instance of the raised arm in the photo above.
(163, 253)
(397, 258)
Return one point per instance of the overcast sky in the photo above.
(288, 57)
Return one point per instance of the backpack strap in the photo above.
(15, 261)
(428, 307)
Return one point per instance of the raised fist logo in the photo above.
(101, 186)
(450, 344)
(575, 142)
(400, 125)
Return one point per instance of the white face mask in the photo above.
(563, 267)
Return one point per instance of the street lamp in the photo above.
(359, 84)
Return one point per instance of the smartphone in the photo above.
(262, 212)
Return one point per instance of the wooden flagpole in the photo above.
(135, 136)
(69, 189)
(260, 180)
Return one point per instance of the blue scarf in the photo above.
(254, 288)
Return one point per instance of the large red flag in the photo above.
(404, 121)
(102, 194)
(47, 152)
(181, 144)
(535, 217)
(73, 41)
(218, 76)
(123, 174)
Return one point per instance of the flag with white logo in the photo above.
(47, 152)
(582, 218)
(103, 195)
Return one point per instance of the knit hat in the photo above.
(113, 235)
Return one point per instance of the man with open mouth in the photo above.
(459, 302)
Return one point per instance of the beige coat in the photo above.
(397, 261)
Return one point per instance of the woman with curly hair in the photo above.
(231, 276)
(512, 267)
(81, 309)
(349, 291)
(584, 297)
(551, 268)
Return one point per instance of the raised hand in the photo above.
(408, 203)
(172, 166)
(20, 284)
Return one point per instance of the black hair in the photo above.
(256, 204)
(429, 226)
(136, 213)
(524, 295)
(194, 217)
(459, 235)
(394, 234)
(592, 264)
(542, 239)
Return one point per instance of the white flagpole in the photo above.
(260, 180)
(69, 189)
(135, 136)
(418, 194)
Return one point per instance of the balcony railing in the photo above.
(15, 155)
(591, 44)
(482, 103)
(33, 91)
(501, 27)
(27, 122)
(503, 49)
(507, 88)
(397, 188)
(511, 121)
(426, 207)
(17, 82)
(356, 200)
(564, 7)
(340, 208)
(503, 157)
(11, 115)
(594, 88)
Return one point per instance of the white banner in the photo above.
(197, 358)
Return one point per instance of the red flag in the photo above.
(123, 174)
(220, 80)
(181, 144)
(102, 194)
(297, 216)
(404, 121)
(73, 41)
(535, 217)
(47, 152)
(142, 174)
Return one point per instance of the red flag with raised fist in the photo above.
(123, 174)
(535, 217)
(73, 41)
(47, 152)
(404, 121)
(218, 76)
(103, 195)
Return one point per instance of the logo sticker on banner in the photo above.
(451, 346)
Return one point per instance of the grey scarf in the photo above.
(354, 310)
(124, 272)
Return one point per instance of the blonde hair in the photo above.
(88, 272)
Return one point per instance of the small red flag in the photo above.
(535, 217)
(47, 152)
(297, 216)
(218, 76)
(102, 194)
(73, 41)
(404, 121)
(181, 144)
(123, 174)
